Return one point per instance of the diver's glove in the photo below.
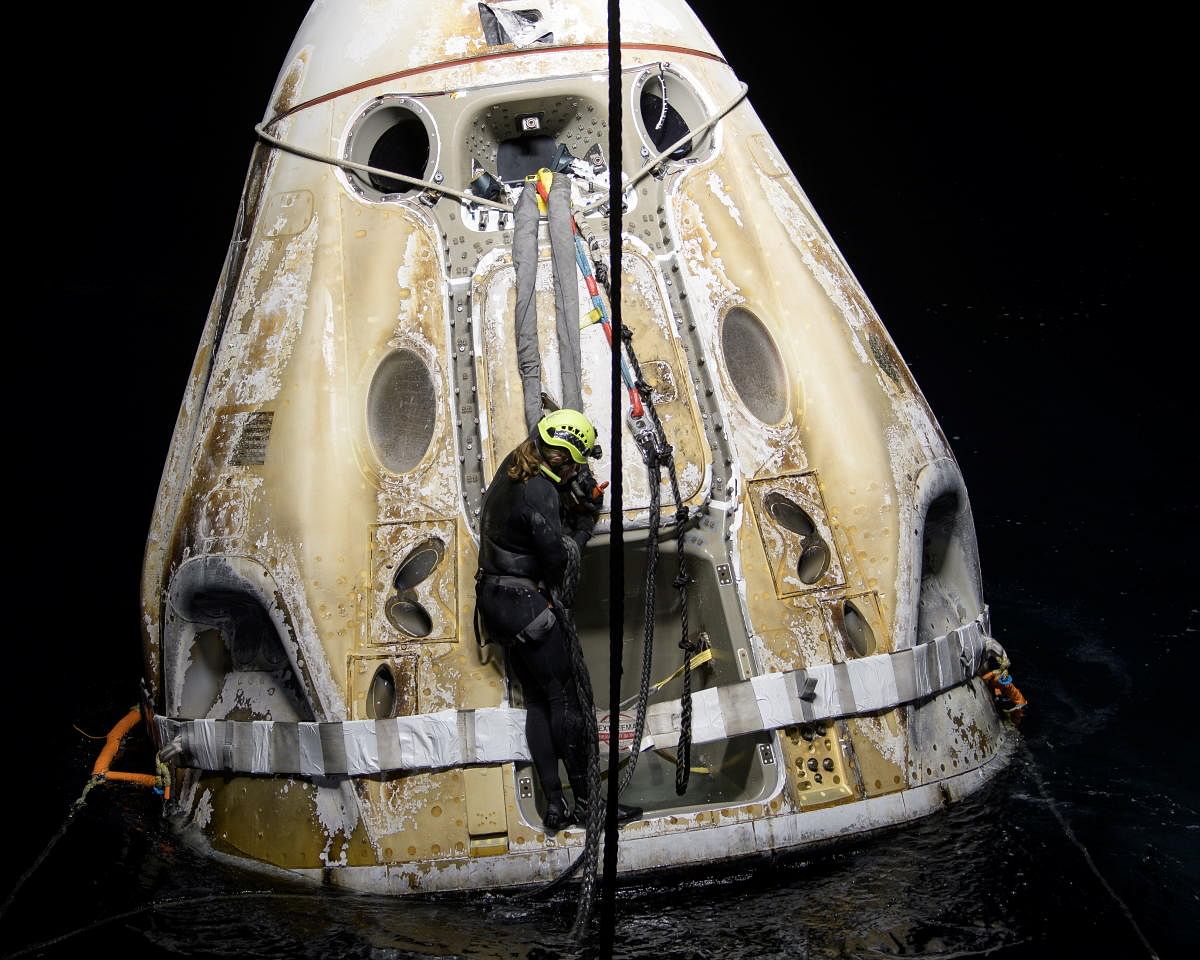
(583, 522)
(587, 494)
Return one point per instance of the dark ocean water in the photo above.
(1085, 844)
(1014, 200)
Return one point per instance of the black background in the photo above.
(1015, 196)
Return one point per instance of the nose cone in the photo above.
(355, 41)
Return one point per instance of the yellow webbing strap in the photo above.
(542, 178)
(704, 656)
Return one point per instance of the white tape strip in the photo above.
(497, 734)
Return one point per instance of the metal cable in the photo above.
(654, 161)
(259, 128)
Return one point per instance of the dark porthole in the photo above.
(814, 560)
(664, 124)
(754, 365)
(814, 553)
(408, 615)
(419, 563)
(401, 411)
(390, 136)
(381, 695)
(402, 147)
(788, 514)
(670, 111)
(856, 630)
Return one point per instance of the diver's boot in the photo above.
(556, 816)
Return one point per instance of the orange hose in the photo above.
(114, 738)
(145, 779)
(112, 745)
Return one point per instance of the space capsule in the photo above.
(308, 586)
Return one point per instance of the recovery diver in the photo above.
(530, 522)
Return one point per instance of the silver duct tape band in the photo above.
(492, 735)
(449, 738)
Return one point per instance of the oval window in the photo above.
(754, 365)
(409, 616)
(381, 695)
(391, 135)
(857, 631)
(401, 411)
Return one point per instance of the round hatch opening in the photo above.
(667, 109)
(395, 134)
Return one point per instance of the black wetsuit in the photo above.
(521, 555)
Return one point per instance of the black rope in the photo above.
(659, 451)
(75, 808)
(653, 469)
(616, 579)
(564, 602)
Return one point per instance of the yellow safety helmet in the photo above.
(570, 430)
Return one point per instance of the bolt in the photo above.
(437, 177)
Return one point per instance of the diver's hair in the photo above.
(527, 461)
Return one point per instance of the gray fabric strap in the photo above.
(845, 689)
(566, 291)
(466, 734)
(740, 708)
(904, 664)
(453, 738)
(333, 749)
(929, 676)
(285, 746)
(948, 660)
(802, 701)
(525, 258)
